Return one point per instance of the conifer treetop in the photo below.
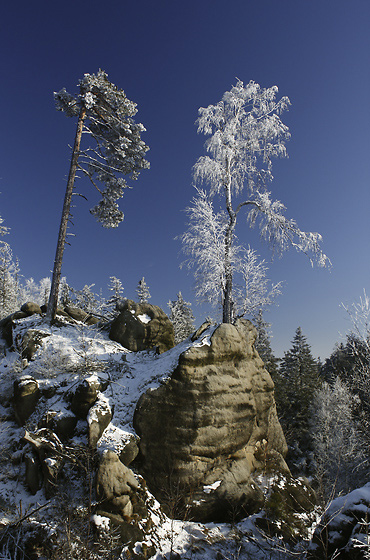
(118, 151)
(143, 291)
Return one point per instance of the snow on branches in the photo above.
(181, 317)
(204, 243)
(245, 133)
(117, 151)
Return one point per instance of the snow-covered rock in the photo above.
(343, 531)
(98, 418)
(26, 396)
(142, 326)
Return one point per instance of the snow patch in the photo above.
(144, 318)
(210, 487)
(101, 522)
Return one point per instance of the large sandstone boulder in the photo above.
(212, 428)
(85, 395)
(122, 498)
(7, 325)
(31, 308)
(31, 341)
(115, 483)
(26, 397)
(98, 418)
(141, 326)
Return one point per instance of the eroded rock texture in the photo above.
(141, 326)
(211, 428)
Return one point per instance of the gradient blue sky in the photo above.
(171, 58)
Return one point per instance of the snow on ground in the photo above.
(67, 355)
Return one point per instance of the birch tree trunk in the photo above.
(53, 299)
(227, 308)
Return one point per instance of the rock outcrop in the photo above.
(7, 325)
(31, 341)
(98, 418)
(80, 315)
(343, 531)
(31, 308)
(25, 399)
(85, 395)
(115, 483)
(210, 429)
(61, 421)
(142, 326)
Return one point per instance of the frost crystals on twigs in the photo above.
(245, 132)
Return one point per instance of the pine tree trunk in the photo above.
(54, 290)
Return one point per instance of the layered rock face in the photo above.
(212, 428)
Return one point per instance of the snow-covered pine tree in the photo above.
(296, 383)
(142, 291)
(245, 132)
(116, 288)
(351, 362)
(181, 317)
(64, 293)
(105, 116)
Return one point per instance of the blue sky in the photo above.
(171, 58)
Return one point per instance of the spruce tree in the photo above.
(298, 379)
(143, 291)
(182, 318)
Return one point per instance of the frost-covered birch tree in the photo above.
(10, 286)
(245, 134)
(340, 459)
(9, 277)
(38, 292)
(105, 117)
